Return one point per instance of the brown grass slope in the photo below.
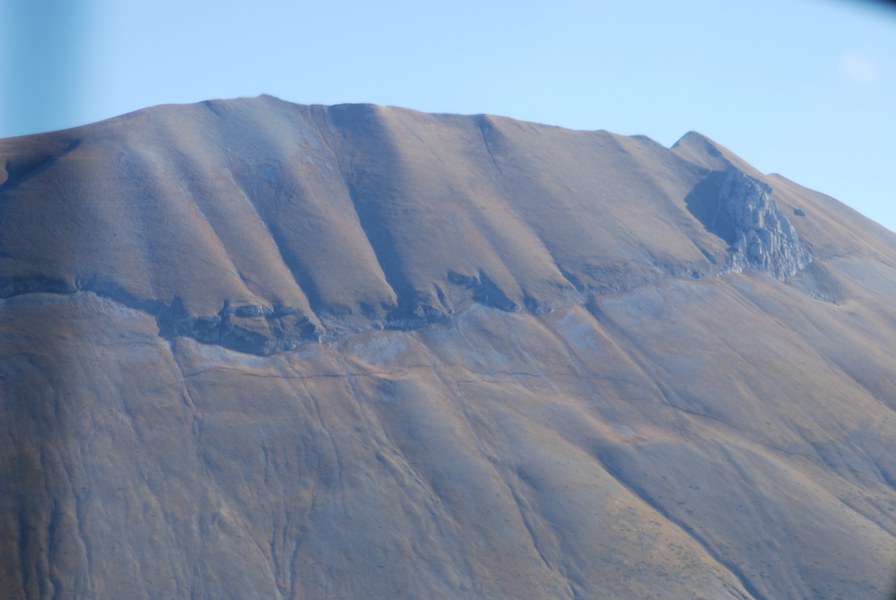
(251, 349)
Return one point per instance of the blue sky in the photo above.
(805, 88)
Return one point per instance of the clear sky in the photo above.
(805, 88)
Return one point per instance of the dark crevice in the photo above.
(487, 131)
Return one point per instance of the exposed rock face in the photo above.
(251, 329)
(739, 209)
(250, 349)
(260, 330)
(766, 241)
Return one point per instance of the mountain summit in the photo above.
(253, 349)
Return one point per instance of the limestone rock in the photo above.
(766, 240)
(739, 209)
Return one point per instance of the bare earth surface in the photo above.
(251, 349)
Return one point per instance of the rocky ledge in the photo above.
(260, 330)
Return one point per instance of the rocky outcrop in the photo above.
(251, 329)
(248, 328)
(766, 240)
(738, 208)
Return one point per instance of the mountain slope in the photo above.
(257, 349)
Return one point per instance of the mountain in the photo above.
(252, 349)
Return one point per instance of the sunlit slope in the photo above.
(253, 349)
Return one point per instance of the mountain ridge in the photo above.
(389, 298)
(252, 349)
